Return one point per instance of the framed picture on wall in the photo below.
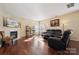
(54, 22)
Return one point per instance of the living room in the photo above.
(27, 29)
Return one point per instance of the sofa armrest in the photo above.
(54, 38)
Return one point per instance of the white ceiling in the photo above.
(36, 10)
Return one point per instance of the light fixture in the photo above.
(38, 19)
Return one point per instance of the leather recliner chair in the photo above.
(60, 44)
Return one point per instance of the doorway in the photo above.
(39, 28)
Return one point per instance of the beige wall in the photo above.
(70, 21)
(24, 22)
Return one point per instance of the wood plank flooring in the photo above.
(37, 46)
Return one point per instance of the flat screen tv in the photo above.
(10, 23)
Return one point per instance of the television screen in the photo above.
(12, 23)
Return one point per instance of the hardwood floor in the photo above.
(37, 46)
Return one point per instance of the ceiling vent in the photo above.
(70, 5)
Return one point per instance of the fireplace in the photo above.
(13, 34)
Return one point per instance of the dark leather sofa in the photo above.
(60, 44)
(52, 33)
